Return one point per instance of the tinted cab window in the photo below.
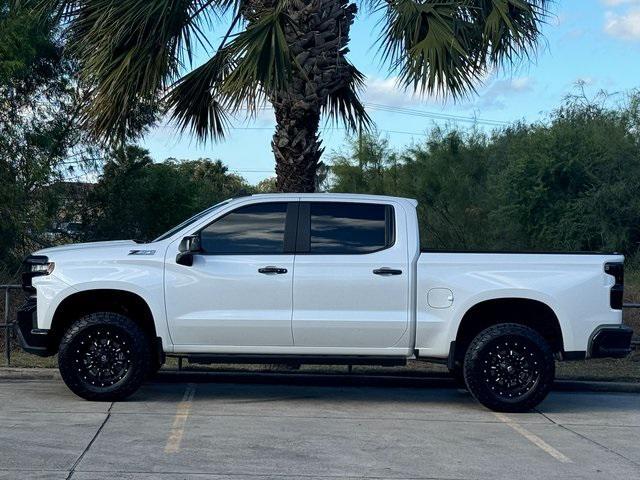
(251, 230)
(349, 228)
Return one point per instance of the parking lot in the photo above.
(253, 430)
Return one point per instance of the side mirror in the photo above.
(188, 246)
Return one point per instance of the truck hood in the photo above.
(85, 246)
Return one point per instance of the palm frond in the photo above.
(262, 60)
(511, 28)
(129, 53)
(256, 63)
(447, 46)
(424, 42)
(194, 101)
(344, 103)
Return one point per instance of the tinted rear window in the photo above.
(349, 228)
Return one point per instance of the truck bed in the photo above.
(574, 285)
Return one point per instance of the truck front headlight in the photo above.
(43, 268)
(35, 266)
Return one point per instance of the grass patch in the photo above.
(25, 360)
(601, 369)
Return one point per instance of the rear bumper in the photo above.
(32, 339)
(612, 341)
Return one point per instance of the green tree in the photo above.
(363, 168)
(28, 51)
(569, 185)
(38, 134)
(137, 198)
(446, 174)
(268, 185)
(136, 54)
(565, 184)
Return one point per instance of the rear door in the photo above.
(351, 282)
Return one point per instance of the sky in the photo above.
(592, 42)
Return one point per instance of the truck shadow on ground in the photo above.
(267, 387)
(352, 390)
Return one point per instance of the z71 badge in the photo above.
(142, 252)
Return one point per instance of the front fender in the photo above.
(152, 294)
(52, 291)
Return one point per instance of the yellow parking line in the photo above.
(536, 440)
(179, 421)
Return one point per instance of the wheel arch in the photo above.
(530, 312)
(89, 301)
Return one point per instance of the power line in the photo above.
(401, 132)
(422, 113)
(412, 112)
(434, 115)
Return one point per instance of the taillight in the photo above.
(616, 270)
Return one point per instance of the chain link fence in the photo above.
(11, 297)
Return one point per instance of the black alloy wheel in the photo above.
(104, 356)
(509, 367)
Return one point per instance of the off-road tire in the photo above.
(116, 344)
(509, 368)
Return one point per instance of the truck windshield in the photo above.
(191, 220)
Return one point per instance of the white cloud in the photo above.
(387, 91)
(557, 20)
(492, 93)
(625, 26)
(586, 81)
(522, 84)
(497, 93)
(615, 3)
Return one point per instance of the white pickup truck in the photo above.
(318, 278)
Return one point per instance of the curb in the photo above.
(331, 380)
(13, 373)
(588, 386)
(432, 381)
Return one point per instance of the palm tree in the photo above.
(136, 56)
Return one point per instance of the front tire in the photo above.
(104, 356)
(509, 368)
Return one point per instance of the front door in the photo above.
(351, 284)
(238, 292)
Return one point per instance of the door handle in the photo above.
(385, 272)
(272, 270)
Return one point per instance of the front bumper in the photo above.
(32, 339)
(613, 341)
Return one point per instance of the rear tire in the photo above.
(104, 356)
(509, 368)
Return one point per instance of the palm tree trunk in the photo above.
(317, 37)
(296, 145)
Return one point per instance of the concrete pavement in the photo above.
(256, 431)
